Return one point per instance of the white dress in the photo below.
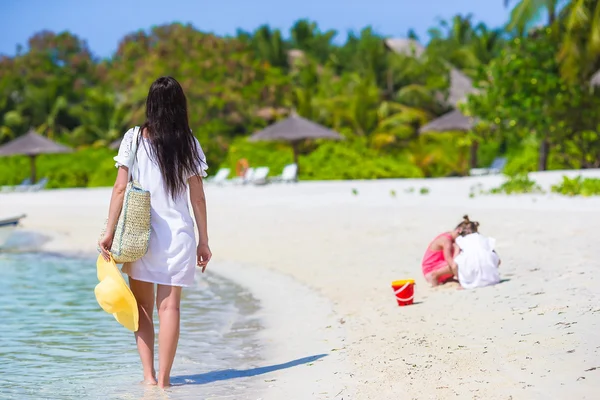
(477, 261)
(171, 256)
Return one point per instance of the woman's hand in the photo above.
(105, 245)
(203, 255)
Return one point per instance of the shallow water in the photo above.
(56, 342)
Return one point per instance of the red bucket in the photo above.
(404, 291)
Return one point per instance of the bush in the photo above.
(85, 168)
(518, 184)
(350, 159)
(354, 160)
(578, 186)
(274, 155)
(526, 160)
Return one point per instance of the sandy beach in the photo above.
(321, 256)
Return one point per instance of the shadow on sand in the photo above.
(214, 376)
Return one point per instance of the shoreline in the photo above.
(533, 336)
(297, 337)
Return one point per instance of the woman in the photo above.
(438, 262)
(168, 160)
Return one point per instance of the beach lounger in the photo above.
(260, 176)
(289, 174)
(496, 168)
(38, 186)
(22, 187)
(220, 177)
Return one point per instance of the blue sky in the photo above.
(103, 23)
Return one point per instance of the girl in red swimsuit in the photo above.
(438, 262)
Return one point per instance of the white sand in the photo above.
(531, 337)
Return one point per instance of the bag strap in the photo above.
(134, 147)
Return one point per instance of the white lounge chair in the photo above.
(22, 187)
(220, 177)
(496, 168)
(288, 174)
(38, 186)
(241, 180)
(260, 176)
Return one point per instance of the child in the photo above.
(438, 262)
(477, 261)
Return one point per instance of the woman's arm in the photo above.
(114, 211)
(198, 200)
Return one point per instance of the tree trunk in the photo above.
(552, 7)
(473, 157)
(32, 161)
(296, 149)
(544, 152)
(390, 84)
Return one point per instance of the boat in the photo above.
(7, 226)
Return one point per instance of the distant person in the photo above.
(168, 161)
(241, 167)
(438, 262)
(477, 260)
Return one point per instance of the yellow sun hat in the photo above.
(114, 296)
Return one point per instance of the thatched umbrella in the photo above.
(32, 144)
(454, 121)
(295, 130)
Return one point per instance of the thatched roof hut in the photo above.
(407, 47)
(452, 121)
(270, 113)
(460, 87)
(595, 81)
(460, 84)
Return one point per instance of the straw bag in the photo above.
(132, 232)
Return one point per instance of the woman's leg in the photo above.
(144, 337)
(168, 299)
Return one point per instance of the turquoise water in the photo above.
(56, 342)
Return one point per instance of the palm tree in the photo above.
(526, 12)
(580, 50)
(269, 45)
(453, 41)
(579, 21)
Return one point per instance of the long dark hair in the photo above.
(172, 144)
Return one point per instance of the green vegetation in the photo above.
(534, 102)
(578, 186)
(518, 184)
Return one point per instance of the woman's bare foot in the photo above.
(431, 280)
(164, 383)
(150, 379)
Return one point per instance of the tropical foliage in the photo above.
(578, 186)
(534, 102)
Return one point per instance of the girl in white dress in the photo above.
(477, 261)
(168, 161)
